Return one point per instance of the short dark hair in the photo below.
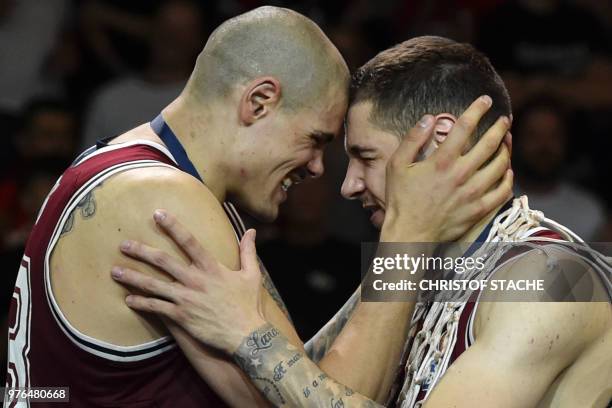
(427, 75)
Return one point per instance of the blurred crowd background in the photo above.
(73, 71)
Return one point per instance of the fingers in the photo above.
(412, 143)
(508, 141)
(152, 305)
(488, 144)
(144, 283)
(462, 130)
(487, 177)
(155, 257)
(498, 196)
(248, 253)
(183, 238)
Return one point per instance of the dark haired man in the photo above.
(521, 354)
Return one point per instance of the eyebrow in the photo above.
(358, 150)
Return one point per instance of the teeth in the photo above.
(286, 183)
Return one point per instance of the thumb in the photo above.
(248, 253)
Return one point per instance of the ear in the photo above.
(443, 125)
(258, 99)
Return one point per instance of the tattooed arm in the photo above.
(268, 284)
(317, 347)
(287, 377)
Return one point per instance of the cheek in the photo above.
(375, 178)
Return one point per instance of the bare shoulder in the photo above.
(559, 321)
(122, 208)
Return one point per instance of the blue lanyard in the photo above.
(161, 128)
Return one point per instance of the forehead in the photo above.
(328, 113)
(361, 132)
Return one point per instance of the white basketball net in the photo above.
(433, 344)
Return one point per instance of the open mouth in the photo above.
(371, 208)
(293, 178)
(377, 214)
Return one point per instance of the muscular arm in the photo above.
(520, 347)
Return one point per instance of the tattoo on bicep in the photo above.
(286, 377)
(86, 207)
(320, 344)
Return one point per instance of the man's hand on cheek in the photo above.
(442, 197)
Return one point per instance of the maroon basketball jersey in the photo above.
(45, 350)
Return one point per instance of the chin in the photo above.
(378, 218)
(268, 214)
(261, 211)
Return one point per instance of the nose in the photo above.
(353, 185)
(315, 166)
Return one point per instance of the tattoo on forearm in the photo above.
(287, 377)
(317, 347)
(271, 289)
(87, 208)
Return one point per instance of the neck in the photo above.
(196, 131)
(474, 232)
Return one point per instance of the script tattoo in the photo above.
(261, 341)
(320, 344)
(86, 206)
(279, 372)
(286, 377)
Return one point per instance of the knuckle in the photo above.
(160, 259)
(471, 193)
(150, 304)
(481, 208)
(465, 123)
(189, 241)
(148, 285)
(491, 144)
(188, 298)
(179, 316)
(460, 176)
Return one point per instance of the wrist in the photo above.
(394, 230)
(244, 332)
(255, 342)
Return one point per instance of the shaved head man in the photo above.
(267, 94)
(278, 74)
